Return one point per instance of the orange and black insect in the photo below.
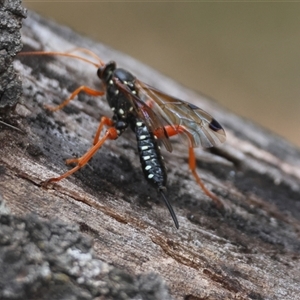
(152, 115)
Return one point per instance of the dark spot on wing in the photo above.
(215, 125)
(192, 106)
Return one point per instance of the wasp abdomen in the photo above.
(150, 156)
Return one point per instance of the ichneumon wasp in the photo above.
(151, 114)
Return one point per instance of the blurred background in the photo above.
(243, 55)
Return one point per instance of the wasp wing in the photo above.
(199, 126)
(153, 121)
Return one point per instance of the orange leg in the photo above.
(104, 121)
(82, 88)
(192, 164)
(110, 134)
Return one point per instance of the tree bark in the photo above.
(11, 16)
(248, 250)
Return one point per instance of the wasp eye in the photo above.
(100, 72)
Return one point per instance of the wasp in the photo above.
(152, 115)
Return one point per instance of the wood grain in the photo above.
(249, 250)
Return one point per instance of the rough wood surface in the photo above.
(250, 250)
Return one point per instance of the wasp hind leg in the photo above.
(192, 165)
(174, 130)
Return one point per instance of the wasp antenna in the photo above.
(170, 208)
(89, 52)
(54, 53)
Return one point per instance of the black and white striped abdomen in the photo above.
(150, 156)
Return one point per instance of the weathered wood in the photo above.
(250, 250)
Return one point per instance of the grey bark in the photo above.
(11, 15)
(249, 250)
(53, 260)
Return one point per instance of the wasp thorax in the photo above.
(125, 77)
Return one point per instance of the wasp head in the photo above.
(105, 72)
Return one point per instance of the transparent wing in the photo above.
(200, 128)
(153, 120)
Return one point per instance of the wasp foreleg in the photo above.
(82, 88)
